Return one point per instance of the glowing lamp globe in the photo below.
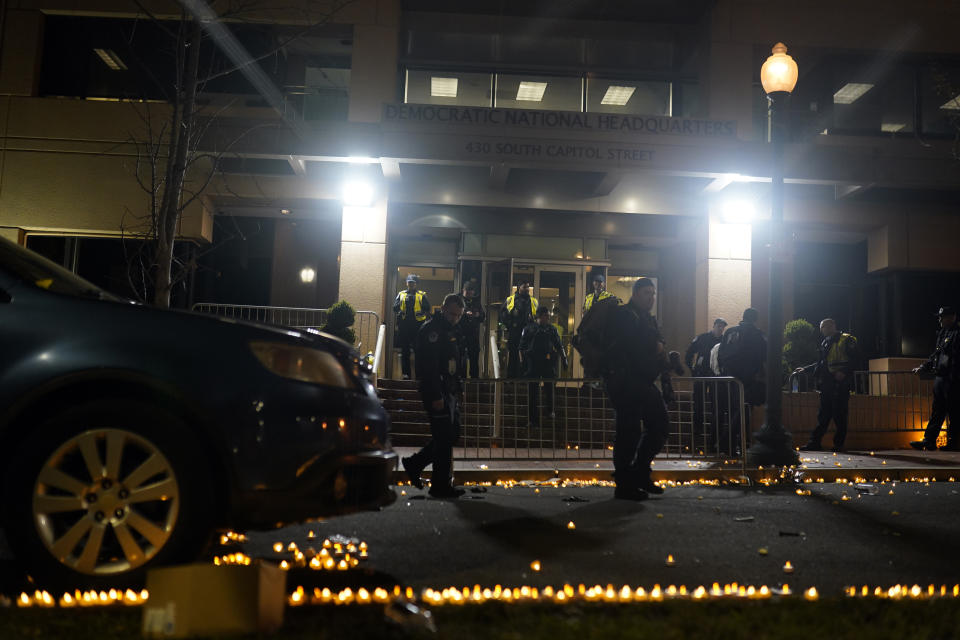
(779, 72)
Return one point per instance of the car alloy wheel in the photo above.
(105, 502)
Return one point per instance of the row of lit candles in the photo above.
(568, 594)
(465, 595)
(79, 598)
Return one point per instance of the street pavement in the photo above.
(837, 536)
(899, 527)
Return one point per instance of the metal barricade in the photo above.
(551, 419)
(708, 419)
(895, 400)
(366, 326)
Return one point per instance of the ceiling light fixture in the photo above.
(443, 87)
(952, 105)
(617, 95)
(111, 59)
(851, 92)
(892, 127)
(531, 91)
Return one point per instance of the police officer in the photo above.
(743, 355)
(541, 350)
(697, 359)
(438, 359)
(833, 373)
(516, 313)
(945, 364)
(411, 308)
(636, 357)
(599, 292)
(471, 327)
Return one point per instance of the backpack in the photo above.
(592, 340)
(730, 354)
(734, 355)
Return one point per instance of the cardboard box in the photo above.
(203, 599)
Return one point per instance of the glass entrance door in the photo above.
(560, 289)
(498, 284)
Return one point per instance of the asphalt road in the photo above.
(715, 534)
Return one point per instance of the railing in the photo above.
(494, 354)
(366, 325)
(536, 419)
(898, 400)
(378, 352)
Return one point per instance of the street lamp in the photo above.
(772, 444)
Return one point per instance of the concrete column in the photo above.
(888, 247)
(373, 72)
(723, 279)
(729, 69)
(363, 257)
(21, 52)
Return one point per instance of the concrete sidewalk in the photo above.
(896, 464)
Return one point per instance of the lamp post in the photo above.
(772, 444)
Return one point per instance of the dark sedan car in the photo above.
(129, 433)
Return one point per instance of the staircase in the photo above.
(583, 418)
(409, 426)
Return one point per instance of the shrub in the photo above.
(340, 317)
(800, 345)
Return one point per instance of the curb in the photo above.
(755, 476)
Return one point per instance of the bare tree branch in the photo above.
(325, 20)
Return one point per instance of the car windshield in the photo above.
(39, 272)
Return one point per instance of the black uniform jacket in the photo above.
(438, 354)
(945, 360)
(473, 317)
(541, 348)
(635, 350)
(697, 357)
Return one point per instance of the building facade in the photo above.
(513, 141)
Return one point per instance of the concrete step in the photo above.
(388, 383)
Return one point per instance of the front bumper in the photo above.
(326, 487)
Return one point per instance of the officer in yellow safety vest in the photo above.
(599, 292)
(411, 308)
(834, 376)
(516, 313)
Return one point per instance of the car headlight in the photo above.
(302, 363)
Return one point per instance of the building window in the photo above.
(318, 75)
(460, 88)
(940, 100)
(607, 95)
(872, 95)
(866, 102)
(549, 92)
(528, 91)
(327, 93)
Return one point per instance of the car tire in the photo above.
(101, 492)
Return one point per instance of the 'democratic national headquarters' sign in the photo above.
(559, 121)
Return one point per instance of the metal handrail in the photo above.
(494, 354)
(295, 317)
(378, 352)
